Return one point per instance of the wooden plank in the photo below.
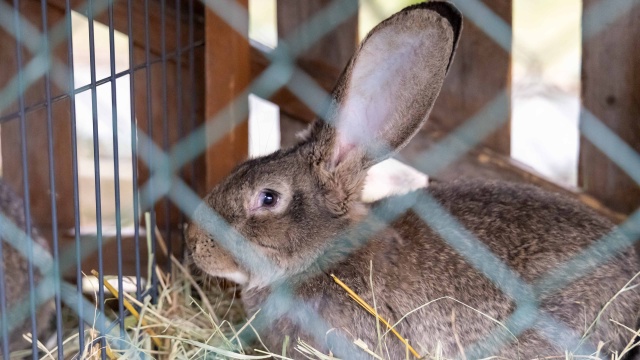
(480, 71)
(195, 173)
(227, 71)
(611, 91)
(323, 59)
(120, 21)
(166, 128)
(324, 74)
(335, 48)
(36, 129)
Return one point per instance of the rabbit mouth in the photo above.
(237, 277)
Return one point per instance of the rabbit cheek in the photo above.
(211, 258)
(217, 262)
(269, 233)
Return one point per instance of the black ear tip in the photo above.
(448, 11)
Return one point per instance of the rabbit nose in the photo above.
(192, 234)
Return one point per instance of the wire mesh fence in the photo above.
(143, 182)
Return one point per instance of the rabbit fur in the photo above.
(16, 272)
(300, 211)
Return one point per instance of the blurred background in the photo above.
(545, 89)
(545, 80)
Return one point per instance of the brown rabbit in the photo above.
(499, 267)
(15, 269)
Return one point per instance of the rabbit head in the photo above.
(291, 205)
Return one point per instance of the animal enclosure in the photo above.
(117, 118)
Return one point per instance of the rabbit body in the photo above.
(284, 222)
(411, 265)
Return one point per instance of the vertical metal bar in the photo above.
(165, 125)
(52, 180)
(96, 160)
(179, 103)
(116, 165)
(134, 152)
(3, 298)
(150, 152)
(3, 309)
(74, 169)
(25, 177)
(192, 79)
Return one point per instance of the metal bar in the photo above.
(116, 164)
(25, 177)
(192, 79)
(165, 125)
(74, 169)
(134, 154)
(52, 182)
(96, 160)
(41, 105)
(3, 309)
(179, 117)
(153, 279)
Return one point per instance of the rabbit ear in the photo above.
(386, 92)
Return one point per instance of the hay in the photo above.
(197, 317)
(194, 321)
(190, 321)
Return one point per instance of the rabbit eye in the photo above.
(268, 198)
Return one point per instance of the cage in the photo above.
(145, 105)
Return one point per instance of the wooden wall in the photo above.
(164, 109)
(480, 71)
(611, 92)
(227, 78)
(36, 125)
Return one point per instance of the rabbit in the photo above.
(299, 210)
(391, 177)
(16, 272)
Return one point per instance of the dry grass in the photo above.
(189, 320)
(194, 322)
(196, 318)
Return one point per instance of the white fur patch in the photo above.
(391, 177)
(236, 276)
